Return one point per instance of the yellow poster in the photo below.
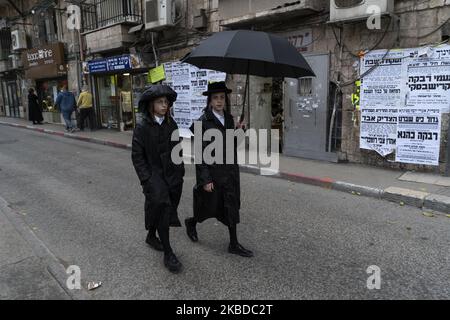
(157, 74)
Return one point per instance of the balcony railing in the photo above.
(98, 14)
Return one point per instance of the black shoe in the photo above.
(190, 230)
(154, 242)
(171, 262)
(240, 250)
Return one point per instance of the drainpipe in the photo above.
(447, 160)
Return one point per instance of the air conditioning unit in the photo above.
(345, 10)
(159, 14)
(16, 61)
(18, 40)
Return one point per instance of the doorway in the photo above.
(307, 114)
(115, 101)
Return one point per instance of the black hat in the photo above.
(216, 87)
(154, 92)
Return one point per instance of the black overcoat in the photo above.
(225, 201)
(161, 179)
(34, 108)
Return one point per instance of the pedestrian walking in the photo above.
(34, 107)
(65, 101)
(160, 177)
(217, 191)
(85, 106)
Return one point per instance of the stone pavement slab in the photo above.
(23, 275)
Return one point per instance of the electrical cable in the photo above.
(370, 50)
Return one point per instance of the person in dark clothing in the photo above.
(66, 103)
(160, 177)
(217, 191)
(34, 108)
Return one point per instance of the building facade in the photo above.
(119, 41)
(43, 53)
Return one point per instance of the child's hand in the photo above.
(209, 187)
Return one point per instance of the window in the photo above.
(5, 43)
(305, 87)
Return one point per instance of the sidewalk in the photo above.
(23, 274)
(427, 191)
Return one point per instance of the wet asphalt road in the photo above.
(85, 203)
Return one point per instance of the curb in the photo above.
(421, 200)
(69, 135)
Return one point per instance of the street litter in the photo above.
(94, 285)
(428, 214)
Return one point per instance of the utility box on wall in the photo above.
(159, 14)
(346, 10)
(18, 40)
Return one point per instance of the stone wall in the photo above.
(413, 29)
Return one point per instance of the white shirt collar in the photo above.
(219, 116)
(159, 119)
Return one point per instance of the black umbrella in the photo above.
(251, 53)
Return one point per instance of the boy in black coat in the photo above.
(160, 177)
(217, 193)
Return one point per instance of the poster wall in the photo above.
(189, 82)
(402, 101)
(419, 136)
(381, 97)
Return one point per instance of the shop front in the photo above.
(118, 82)
(46, 66)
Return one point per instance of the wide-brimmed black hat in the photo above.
(154, 92)
(216, 87)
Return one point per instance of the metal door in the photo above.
(13, 100)
(306, 112)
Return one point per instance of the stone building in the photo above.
(39, 51)
(122, 39)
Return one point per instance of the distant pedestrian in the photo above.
(161, 179)
(65, 101)
(217, 193)
(86, 108)
(34, 108)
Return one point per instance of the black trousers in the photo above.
(87, 113)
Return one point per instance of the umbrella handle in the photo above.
(247, 85)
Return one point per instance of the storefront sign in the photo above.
(98, 66)
(45, 62)
(119, 63)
